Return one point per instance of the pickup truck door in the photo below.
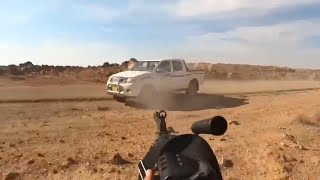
(162, 78)
(178, 76)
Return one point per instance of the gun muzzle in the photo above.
(216, 126)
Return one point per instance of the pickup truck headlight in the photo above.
(129, 80)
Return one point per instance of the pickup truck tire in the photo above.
(119, 99)
(193, 88)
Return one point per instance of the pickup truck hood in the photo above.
(129, 74)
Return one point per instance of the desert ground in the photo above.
(76, 131)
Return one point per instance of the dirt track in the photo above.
(36, 139)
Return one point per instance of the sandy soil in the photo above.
(277, 136)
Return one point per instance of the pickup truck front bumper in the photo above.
(121, 90)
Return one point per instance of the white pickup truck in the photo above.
(149, 77)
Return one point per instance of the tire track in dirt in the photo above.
(56, 100)
(274, 92)
(109, 98)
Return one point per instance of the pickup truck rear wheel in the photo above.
(192, 88)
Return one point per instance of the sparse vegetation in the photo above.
(17, 78)
(308, 120)
(2, 71)
(106, 64)
(103, 108)
(316, 118)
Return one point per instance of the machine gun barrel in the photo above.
(216, 126)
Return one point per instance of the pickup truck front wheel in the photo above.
(192, 88)
(147, 93)
(119, 99)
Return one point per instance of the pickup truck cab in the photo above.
(149, 77)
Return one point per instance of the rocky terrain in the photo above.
(98, 74)
(254, 72)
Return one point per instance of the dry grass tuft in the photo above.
(308, 120)
(316, 118)
(103, 108)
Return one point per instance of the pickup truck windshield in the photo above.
(145, 66)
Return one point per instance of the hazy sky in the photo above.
(90, 32)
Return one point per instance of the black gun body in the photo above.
(181, 157)
(152, 156)
(150, 159)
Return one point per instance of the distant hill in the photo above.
(254, 72)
